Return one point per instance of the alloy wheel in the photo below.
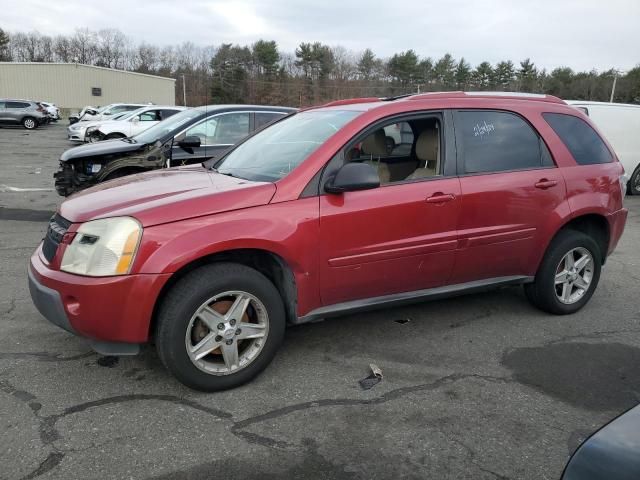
(227, 333)
(573, 275)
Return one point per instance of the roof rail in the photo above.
(349, 101)
(541, 97)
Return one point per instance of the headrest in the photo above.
(427, 145)
(375, 144)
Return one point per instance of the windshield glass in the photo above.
(275, 151)
(166, 126)
(123, 115)
(127, 115)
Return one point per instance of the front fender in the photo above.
(289, 230)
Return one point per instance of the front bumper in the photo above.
(76, 135)
(113, 313)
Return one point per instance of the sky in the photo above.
(581, 34)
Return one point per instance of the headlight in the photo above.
(103, 247)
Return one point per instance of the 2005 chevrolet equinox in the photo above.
(349, 206)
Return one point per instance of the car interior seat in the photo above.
(428, 153)
(373, 147)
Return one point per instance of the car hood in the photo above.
(107, 147)
(166, 195)
(613, 452)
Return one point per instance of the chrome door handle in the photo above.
(441, 197)
(543, 184)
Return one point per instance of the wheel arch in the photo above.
(270, 264)
(593, 224)
(116, 166)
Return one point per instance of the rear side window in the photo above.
(581, 140)
(490, 141)
(17, 105)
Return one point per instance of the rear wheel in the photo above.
(220, 326)
(568, 274)
(29, 123)
(634, 182)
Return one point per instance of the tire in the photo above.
(177, 323)
(633, 187)
(545, 294)
(114, 136)
(29, 123)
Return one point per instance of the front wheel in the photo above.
(220, 326)
(568, 274)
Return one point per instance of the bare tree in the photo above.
(84, 47)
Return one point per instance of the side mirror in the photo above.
(135, 119)
(353, 176)
(190, 141)
(91, 111)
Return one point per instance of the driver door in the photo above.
(399, 237)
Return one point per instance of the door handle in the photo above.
(441, 197)
(543, 183)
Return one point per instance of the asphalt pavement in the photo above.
(477, 387)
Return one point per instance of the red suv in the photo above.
(320, 214)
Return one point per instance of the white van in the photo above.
(620, 123)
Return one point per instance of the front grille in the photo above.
(58, 226)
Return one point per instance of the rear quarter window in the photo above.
(581, 140)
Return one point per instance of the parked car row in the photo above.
(90, 113)
(28, 113)
(126, 123)
(182, 137)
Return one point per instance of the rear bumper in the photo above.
(113, 313)
(617, 221)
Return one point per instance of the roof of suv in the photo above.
(368, 103)
(208, 108)
(17, 100)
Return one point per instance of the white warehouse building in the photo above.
(72, 86)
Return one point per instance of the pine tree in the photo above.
(5, 55)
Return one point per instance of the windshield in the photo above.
(128, 114)
(275, 151)
(166, 126)
(121, 116)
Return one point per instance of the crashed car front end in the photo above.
(79, 172)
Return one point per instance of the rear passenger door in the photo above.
(510, 187)
(14, 111)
